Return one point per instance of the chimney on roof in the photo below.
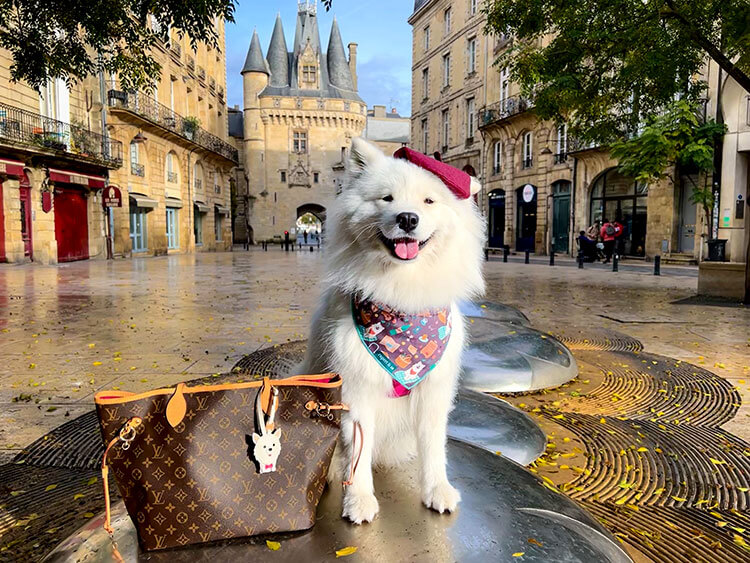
(378, 111)
(353, 63)
(393, 111)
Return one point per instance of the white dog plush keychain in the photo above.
(267, 443)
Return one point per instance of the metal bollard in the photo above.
(505, 253)
(552, 258)
(615, 264)
(526, 259)
(580, 260)
(657, 265)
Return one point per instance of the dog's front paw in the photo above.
(360, 507)
(442, 498)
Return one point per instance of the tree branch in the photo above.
(713, 51)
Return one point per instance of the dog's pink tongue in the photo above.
(407, 250)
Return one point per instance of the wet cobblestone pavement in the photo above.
(654, 441)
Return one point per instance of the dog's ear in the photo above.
(363, 155)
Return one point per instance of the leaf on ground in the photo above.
(273, 545)
(343, 552)
(50, 488)
(88, 514)
(717, 461)
(16, 493)
(518, 554)
(78, 495)
(92, 481)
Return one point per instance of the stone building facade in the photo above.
(301, 110)
(388, 131)
(54, 161)
(60, 147)
(178, 159)
(450, 65)
(539, 188)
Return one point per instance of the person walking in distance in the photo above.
(608, 237)
(304, 235)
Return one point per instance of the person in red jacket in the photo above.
(619, 238)
(608, 237)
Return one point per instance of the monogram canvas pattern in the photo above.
(198, 482)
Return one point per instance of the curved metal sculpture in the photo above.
(505, 511)
(508, 358)
(496, 426)
(494, 311)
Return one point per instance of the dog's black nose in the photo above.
(407, 221)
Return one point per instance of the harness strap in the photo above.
(354, 463)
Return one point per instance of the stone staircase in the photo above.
(680, 259)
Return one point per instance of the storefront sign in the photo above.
(111, 197)
(528, 193)
(46, 202)
(11, 167)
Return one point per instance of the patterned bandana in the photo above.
(408, 347)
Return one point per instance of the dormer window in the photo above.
(309, 74)
(307, 69)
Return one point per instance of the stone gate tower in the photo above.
(301, 111)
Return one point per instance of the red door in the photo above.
(71, 224)
(25, 189)
(2, 227)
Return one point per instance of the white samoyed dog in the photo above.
(399, 237)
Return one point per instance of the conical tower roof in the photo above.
(338, 67)
(277, 57)
(255, 62)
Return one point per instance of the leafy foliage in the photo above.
(73, 39)
(605, 65)
(679, 137)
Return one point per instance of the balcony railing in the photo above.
(176, 50)
(190, 63)
(172, 177)
(148, 108)
(221, 92)
(527, 163)
(198, 184)
(212, 83)
(18, 126)
(502, 110)
(201, 73)
(217, 189)
(561, 157)
(137, 169)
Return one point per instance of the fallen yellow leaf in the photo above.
(50, 488)
(273, 545)
(344, 551)
(518, 554)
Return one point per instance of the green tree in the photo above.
(676, 140)
(605, 65)
(72, 39)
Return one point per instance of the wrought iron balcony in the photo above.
(561, 157)
(190, 63)
(198, 184)
(527, 163)
(21, 127)
(137, 169)
(172, 177)
(502, 110)
(201, 73)
(148, 108)
(217, 188)
(212, 83)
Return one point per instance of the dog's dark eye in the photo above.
(429, 201)
(388, 198)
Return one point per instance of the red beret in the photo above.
(457, 181)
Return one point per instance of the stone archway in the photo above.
(314, 209)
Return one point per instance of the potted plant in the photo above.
(705, 197)
(190, 125)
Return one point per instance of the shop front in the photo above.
(619, 198)
(72, 194)
(496, 230)
(526, 201)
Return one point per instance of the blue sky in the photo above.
(380, 29)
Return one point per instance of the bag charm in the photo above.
(267, 443)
